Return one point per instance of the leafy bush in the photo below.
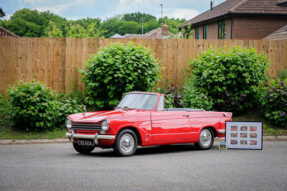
(282, 74)
(275, 101)
(192, 97)
(36, 107)
(5, 110)
(172, 95)
(230, 77)
(117, 69)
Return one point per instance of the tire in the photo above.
(83, 149)
(126, 143)
(206, 139)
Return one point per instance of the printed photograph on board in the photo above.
(243, 128)
(233, 142)
(234, 135)
(253, 135)
(243, 135)
(253, 128)
(253, 142)
(234, 128)
(243, 142)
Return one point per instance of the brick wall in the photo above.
(212, 30)
(246, 27)
(256, 27)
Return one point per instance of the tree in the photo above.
(52, 31)
(136, 17)
(78, 31)
(22, 28)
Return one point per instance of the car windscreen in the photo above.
(138, 101)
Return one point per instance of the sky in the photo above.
(77, 9)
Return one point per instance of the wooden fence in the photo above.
(54, 61)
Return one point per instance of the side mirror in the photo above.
(126, 108)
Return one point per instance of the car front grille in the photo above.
(86, 126)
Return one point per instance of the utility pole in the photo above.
(161, 14)
(142, 19)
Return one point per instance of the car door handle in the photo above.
(186, 115)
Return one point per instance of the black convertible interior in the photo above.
(183, 109)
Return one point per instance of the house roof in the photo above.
(239, 7)
(282, 2)
(2, 14)
(116, 36)
(5, 33)
(155, 33)
(280, 34)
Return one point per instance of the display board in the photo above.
(243, 135)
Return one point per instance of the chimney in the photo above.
(211, 5)
(165, 29)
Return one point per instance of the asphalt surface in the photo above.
(173, 167)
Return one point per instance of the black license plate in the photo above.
(86, 142)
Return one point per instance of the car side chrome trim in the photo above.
(221, 131)
(107, 137)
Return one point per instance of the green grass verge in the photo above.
(12, 134)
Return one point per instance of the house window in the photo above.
(204, 31)
(197, 30)
(222, 29)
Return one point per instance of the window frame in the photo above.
(204, 32)
(197, 32)
(222, 29)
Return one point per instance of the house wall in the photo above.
(256, 27)
(212, 30)
(246, 27)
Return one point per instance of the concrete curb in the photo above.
(34, 141)
(53, 141)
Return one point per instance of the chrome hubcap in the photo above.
(205, 138)
(127, 143)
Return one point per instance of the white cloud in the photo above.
(57, 9)
(34, 1)
(182, 13)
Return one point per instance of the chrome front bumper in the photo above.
(96, 137)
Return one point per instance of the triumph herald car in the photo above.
(141, 119)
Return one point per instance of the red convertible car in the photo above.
(140, 119)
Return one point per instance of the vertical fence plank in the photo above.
(68, 64)
(2, 65)
(41, 60)
(63, 65)
(35, 71)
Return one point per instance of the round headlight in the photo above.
(68, 123)
(105, 125)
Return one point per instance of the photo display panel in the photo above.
(243, 135)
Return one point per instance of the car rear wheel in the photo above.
(83, 149)
(206, 139)
(126, 143)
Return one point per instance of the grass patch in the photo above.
(257, 116)
(12, 134)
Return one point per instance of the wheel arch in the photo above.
(134, 129)
(212, 128)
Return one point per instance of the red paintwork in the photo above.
(159, 127)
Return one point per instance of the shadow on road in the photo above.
(154, 150)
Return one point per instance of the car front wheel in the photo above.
(83, 149)
(206, 139)
(126, 143)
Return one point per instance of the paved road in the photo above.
(174, 167)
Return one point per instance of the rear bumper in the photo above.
(95, 137)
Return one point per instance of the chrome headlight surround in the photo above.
(68, 123)
(105, 125)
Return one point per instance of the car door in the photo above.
(169, 125)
